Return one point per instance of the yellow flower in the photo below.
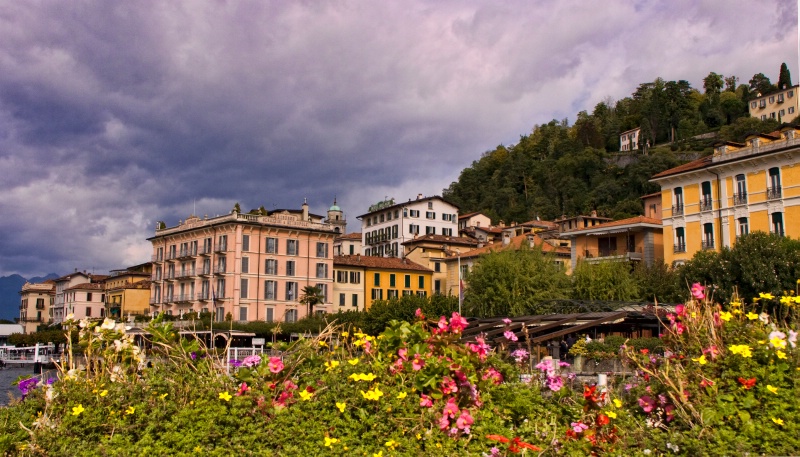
(701, 360)
(77, 410)
(379, 454)
(331, 365)
(104, 393)
(130, 410)
(736, 304)
(329, 442)
(787, 300)
(741, 349)
(725, 316)
(225, 396)
(419, 436)
(359, 343)
(777, 421)
(341, 406)
(618, 403)
(372, 394)
(163, 396)
(782, 355)
(778, 343)
(306, 395)
(752, 316)
(323, 344)
(694, 315)
(362, 376)
(766, 296)
(345, 334)
(353, 362)
(391, 444)
(772, 389)
(611, 414)
(401, 395)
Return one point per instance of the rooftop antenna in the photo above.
(194, 208)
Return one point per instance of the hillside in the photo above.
(9, 293)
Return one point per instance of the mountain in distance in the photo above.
(9, 293)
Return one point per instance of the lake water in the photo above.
(8, 375)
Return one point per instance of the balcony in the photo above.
(186, 253)
(740, 198)
(678, 248)
(600, 255)
(184, 298)
(155, 301)
(156, 277)
(677, 210)
(219, 270)
(203, 296)
(707, 244)
(221, 248)
(706, 203)
(185, 274)
(157, 258)
(169, 276)
(774, 193)
(171, 255)
(204, 271)
(205, 250)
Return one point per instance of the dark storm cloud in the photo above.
(116, 115)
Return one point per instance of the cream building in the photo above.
(247, 267)
(35, 303)
(781, 105)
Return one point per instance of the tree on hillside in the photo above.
(743, 126)
(513, 282)
(785, 78)
(760, 84)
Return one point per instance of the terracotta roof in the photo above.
(543, 224)
(143, 284)
(86, 286)
(690, 166)
(442, 239)
(350, 236)
(516, 243)
(629, 221)
(386, 263)
(654, 194)
(69, 276)
(468, 215)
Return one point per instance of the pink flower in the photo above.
(507, 321)
(402, 353)
(251, 361)
(711, 351)
(418, 314)
(698, 291)
(492, 374)
(451, 409)
(680, 310)
(555, 383)
(457, 323)
(792, 338)
(242, 389)
(449, 386)
(579, 427)
(289, 385)
(679, 327)
(647, 403)
(442, 324)
(417, 363)
(444, 422)
(275, 364)
(425, 401)
(481, 348)
(510, 336)
(464, 420)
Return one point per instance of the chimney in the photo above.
(480, 244)
(594, 213)
(506, 239)
(305, 210)
(419, 196)
(531, 244)
(501, 224)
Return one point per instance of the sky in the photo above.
(115, 115)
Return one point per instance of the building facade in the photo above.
(431, 251)
(742, 187)
(349, 275)
(244, 267)
(388, 225)
(386, 278)
(781, 105)
(636, 239)
(57, 311)
(128, 292)
(629, 140)
(35, 303)
(349, 244)
(85, 300)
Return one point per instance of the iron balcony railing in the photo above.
(680, 247)
(706, 203)
(707, 244)
(677, 210)
(740, 198)
(774, 193)
(185, 273)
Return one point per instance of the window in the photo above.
(413, 229)
(791, 110)
(780, 98)
(290, 268)
(708, 236)
(407, 282)
(383, 218)
(322, 250)
(323, 291)
(291, 247)
(763, 117)
(88, 311)
(430, 215)
(377, 279)
(377, 294)
(705, 198)
(270, 290)
(88, 296)
(204, 288)
(790, 93)
(245, 242)
(774, 183)
(352, 249)
(355, 277)
(245, 265)
(422, 282)
(437, 266)
(394, 231)
(762, 103)
(405, 212)
(389, 216)
(220, 293)
(430, 230)
(222, 243)
(677, 206)
(270, 315)
(772, 115)
(414, 213)
(743, 227)
(430, 205)
(291, 291)
(271, 267)
(680, 239)
(355, 300)
(272, 245)
(322, 270)
(422, 294)
(206, 266)
(396, 214)
(341, 299)
(753, 105)
(243, 289)
(341, 276)
(777, 224)
(392, 280)
(447, 232)
(740, 195)
(242, 313)
(781, 113)
(291, 315)
(221, 261)
(772, 99)
(391, 293)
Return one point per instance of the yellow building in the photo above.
(348, 283)
(431, 251)
(34, 308)
(385, 278)
(741, 188)
(781, 105)
(128, 291)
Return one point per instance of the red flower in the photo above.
(499, 438)
(602, 419)
(644, 351)
(747, 383)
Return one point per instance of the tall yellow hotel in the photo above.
(740, 188)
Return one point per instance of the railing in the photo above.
(171, 255)
(169, 275)
(30, 354)
(205, 250)
(219, 270)
(205, 271)
(677, 210)
(221, 247)
(157, 258)
(187, 253)
(155, 301)
(773, 193)
(184, 298)
(706, 203)
(740, 198)
(185, 274)
(632, 254)
(156, 277)
(707, 244)
(681, 247)
(168, 299)
(203, 296)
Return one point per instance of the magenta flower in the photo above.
(402, 353)
(275, 364)
(425, 401)
(507, 321)
(444, 422)
(417, 363)
(492, 374)
(481, 348)
(510, 336)
(251, 361)
(235, 363)
(464, 420)
(449, 386)
(457, 323)
(555, 383)
(442, 324)
(242, 389)
(579, 427)
(418, 314)
(647, 403)
(698, 291)
(520, 355)
(680, 310)
(451, 409)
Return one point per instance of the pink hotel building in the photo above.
(251, 266)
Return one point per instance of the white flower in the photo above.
(69, 317)
(108, 324)
(121, 327)
(84, 323)
(647, 452)
(763, 317)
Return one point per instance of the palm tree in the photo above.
(311, 296)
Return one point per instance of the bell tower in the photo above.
(336, 218)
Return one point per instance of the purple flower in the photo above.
(51, 381)
(235, 363)
(555, 383)
(26, 385)
(193, 355)
(251, 361)
(520, 355)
